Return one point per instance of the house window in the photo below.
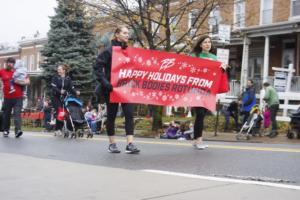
(214, 20)
(295, 11)
(193, 15)
(266, 11)
(24, 59)
(173, 26)
(154, 26)
(38, 59)
(239, 13)
(31, 63)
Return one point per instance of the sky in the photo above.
(23, 18)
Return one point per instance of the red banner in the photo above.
(168, 79)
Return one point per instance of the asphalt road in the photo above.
(277, 163)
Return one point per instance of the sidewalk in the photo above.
(231, 137)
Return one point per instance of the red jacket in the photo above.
(6, 76)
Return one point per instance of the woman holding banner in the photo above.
(103, 72)
(202, 49)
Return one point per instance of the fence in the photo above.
(33, 119)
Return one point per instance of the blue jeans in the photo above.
(93, 125)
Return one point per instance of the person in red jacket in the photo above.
(12, 101)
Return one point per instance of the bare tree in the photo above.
(168, 25)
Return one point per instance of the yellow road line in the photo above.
(234, 147)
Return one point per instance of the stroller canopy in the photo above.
(70, 99)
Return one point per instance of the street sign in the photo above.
(224, 33)
(280, 81)
(223, 55)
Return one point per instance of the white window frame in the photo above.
(262, 9)
(236, 23)
(38, 58)
(291, 11)
(193, 30)
(173, 33)
(211, 15)
(25, 61)
(190, 17)
(31, 62)
(154, 25)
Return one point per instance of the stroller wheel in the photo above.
(66, 134)
(74, 135)
(81, 134)
(248, 137)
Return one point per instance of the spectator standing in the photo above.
(248, 100)
(272, 100)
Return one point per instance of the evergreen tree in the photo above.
(70, 41)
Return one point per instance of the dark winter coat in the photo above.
(248, 99)
(58, 83)
(102, 69)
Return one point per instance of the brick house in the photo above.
(29, 52)
(267, 35)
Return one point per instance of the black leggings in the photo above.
(112, 109)
(199, 120)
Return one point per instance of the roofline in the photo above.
(272, 29)
(32, 41)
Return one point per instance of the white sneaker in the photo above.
(200, 146)
(58, 133)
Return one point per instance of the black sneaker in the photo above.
(132, 149)
(112, 148)
(5, 134)
(18, 134)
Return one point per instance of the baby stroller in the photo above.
(74, 119)
(252, 125)
(294, 125)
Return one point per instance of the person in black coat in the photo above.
(103, 72)
(61, 86)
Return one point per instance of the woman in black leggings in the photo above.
(202, 49)
(102, 70)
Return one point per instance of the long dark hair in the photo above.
(197, 49)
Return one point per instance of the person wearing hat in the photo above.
(12, 101)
